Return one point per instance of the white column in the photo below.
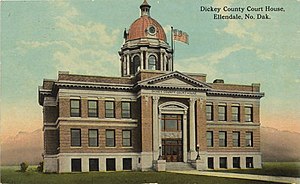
(142, 60)
(146, 63)
(192, 152)
(159, 129)
(185, 137)
(125, 67)
(161, 62)
(128, 66)
(155, 125)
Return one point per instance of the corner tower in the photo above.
(145, 46)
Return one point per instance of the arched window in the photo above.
(152, 63)
(136, 61)
(135, 65)
(167, 65)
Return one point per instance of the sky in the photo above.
(40, 38)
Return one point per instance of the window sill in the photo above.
(93, 147)
(75, 147)
(127, 147)
(110, 147)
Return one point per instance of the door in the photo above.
(172, 150)
(171, 127)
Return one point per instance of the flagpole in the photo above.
(172, 46)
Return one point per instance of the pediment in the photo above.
(174, 80)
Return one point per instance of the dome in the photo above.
(145, 26)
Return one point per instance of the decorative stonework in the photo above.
(171, 135)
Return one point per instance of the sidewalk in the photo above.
(279, 179)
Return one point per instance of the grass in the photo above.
(11, 175)
(290, 169)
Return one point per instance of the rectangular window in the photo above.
(75, 137)
(210, 162)
(249, 162)
(236, 139)
(126, 110)
(110, 138)
(236, 162)
(248, 114)
(76, 164)
(75, 108)
(235, 112)
(222, 139)
(110, 164)
(249, 139)
(171, 123)
(110, 109)
(222, 112)
(127, 164)
(93, 108)
(209, 112)
(209, 139)
(126, 134)
(93, 164)
(223, 162)
(93, 138)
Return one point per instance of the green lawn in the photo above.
(12, 176)
(291, 169)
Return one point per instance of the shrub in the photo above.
(40, 167)
(23, 167)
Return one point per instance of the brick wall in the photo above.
(65, 140)
(236, 87)
(89, 78)
(255, 114)
(146, 125)
(201, 124)
(242, 148)
(50, 114)
(64, 107)
(50, 142)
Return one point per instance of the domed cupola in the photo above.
(145, 46)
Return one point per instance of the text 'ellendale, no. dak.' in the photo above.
(237, 10)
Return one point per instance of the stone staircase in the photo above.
(179, 166)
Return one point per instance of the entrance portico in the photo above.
(171, 142)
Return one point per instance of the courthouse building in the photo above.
(152, 117)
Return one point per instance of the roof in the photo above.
(139, 27)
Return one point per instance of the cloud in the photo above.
(86, 61)
(207, 63)
(241, 30)
(88, 33)
(87, 46)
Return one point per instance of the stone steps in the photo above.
(179, 166)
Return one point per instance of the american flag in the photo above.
(180, 36)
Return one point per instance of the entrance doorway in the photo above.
(171, 127)
(172, 150)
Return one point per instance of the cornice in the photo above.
(235, 93)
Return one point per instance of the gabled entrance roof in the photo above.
(174, 80)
